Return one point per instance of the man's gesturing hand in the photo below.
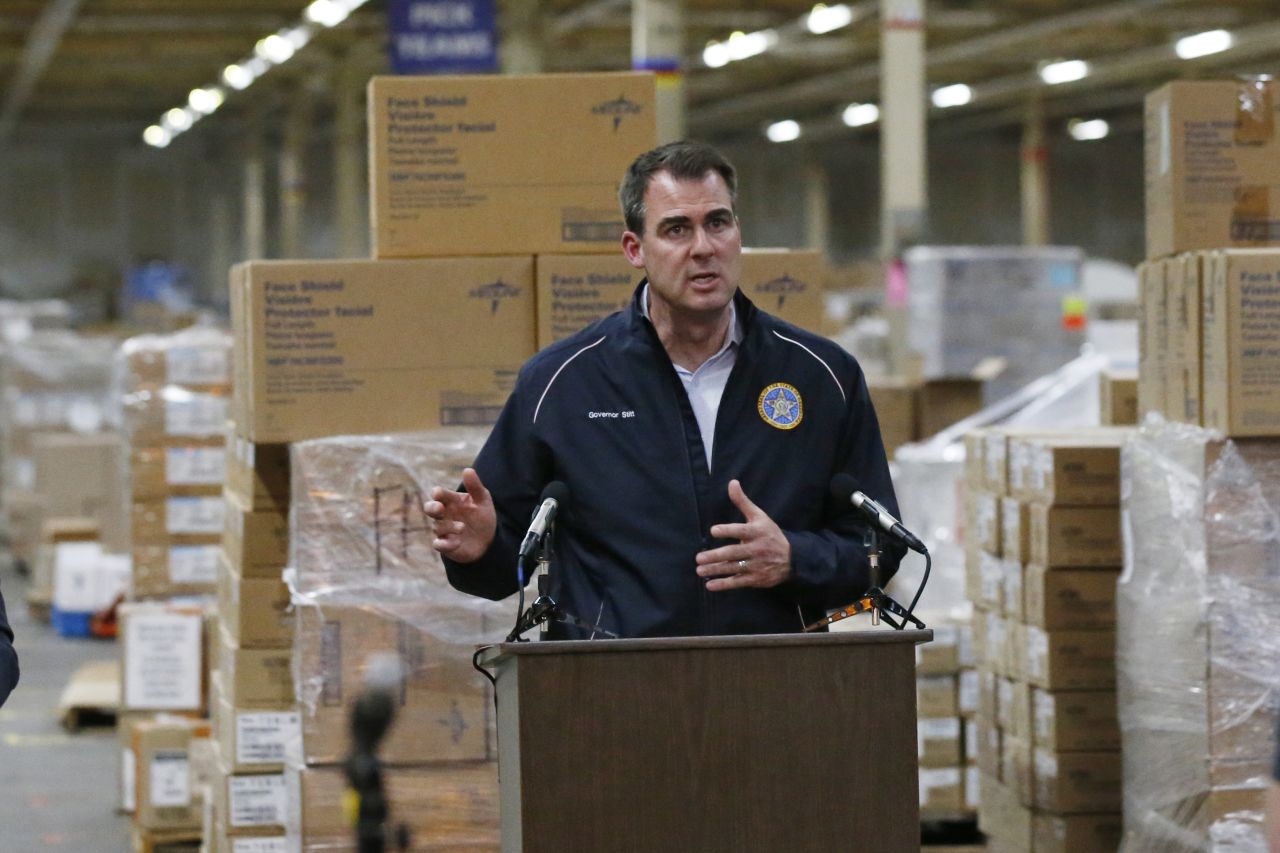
(465, 522)
(762, 558)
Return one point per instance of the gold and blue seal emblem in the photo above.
(780, 406)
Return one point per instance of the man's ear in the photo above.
(632, 250)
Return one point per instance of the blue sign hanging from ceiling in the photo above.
(443, 36)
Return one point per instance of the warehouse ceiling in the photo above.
(115, 66)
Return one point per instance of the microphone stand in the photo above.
(372, 714)
(875, 600)
(545, 609)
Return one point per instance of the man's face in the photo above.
(691, 245)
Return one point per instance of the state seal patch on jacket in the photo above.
(780, 406)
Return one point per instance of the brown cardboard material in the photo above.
(254, 611)
(1075, 720)
(1192, 334)
(1078, 782)
(483, 165)
(1118, 405)
(1093, 833)
(158, 472)
(344, 347)
(259, 739)
(936, 696)
(1011, 575)
(1075, 536)
(172, 416)
(1241, 379)
(166, 793)
(195, 518)
(946, 401)
(1153, 361)
(254, 676)
(942, 655)
(1069, 599)
(1002, 817)
(1070, 660)
(1016, 770)
(894, 400)
(984, 520)
(253, 804)
(1211, 155)
(1175, 386)
(974, 464)
(941, 790)
(255, 542)
(1076, 470)
(180, 568)
(940, 742)
(258, 474)
(445, 711)
(1015, 530)
(989, 749)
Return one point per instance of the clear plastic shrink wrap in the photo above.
(1198, 637)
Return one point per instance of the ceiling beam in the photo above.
(43, 40)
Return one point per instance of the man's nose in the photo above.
(702, 242)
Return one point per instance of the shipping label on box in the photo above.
(260, 800)
(478, 165)
(968, 693)
(1075, 720)
(356, 347)
(168, 570)
(1059, 599)
(1212, 165)
(1075, 536)
(162, 659)
(158, 472)
(1241, 307)
(986, 520)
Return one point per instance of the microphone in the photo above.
(555, 499)
(845, 488)
(375, 707)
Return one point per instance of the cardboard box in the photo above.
(167, 796)
(159, 472)
(198, 517)
(255, 612)
(257, 804)
(445, 712)
(941, 656)
(447, 806)
(968, 694)
(174, 415)
(165, 571)
(984, 520)
(258, 474)
(1075, 720)
(1118, 405)
(1075, 536)
(1002, 817)
(945, 401)
(1070, 660)
(936, 696)
(1011, 590)
(1153, 315)
(1212, 166)
(1241, 382)
(1015, 530)
(1077, 470)
(941, 791)
(254, 677)
(359, 347)
(1175, 387)
(576, 290)
(1093, 833)
(894, 400)
(1078, 782)
(1192, 334)
(483, 165)
(975, 467)
(162, 646)
(259, 739)
(989, 749)
(1016, 770)
(1069, 599)
(255, 542)
(940, 742)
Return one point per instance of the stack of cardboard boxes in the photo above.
(946, 704)
(1209, 298)
(175, 391)
(1044, 552)
(917, 409)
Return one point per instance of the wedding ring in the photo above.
(742, 565)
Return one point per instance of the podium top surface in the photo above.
(743, 641)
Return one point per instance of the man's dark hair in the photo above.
(686, 161)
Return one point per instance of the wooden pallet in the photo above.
(91, 697)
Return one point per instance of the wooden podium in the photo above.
(774, 743)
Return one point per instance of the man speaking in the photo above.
(697, 436)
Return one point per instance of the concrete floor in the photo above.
(59, 790)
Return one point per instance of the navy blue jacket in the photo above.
(8, 657)
(604, 411)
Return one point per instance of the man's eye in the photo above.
(675, 230)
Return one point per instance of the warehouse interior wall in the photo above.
(80, 213)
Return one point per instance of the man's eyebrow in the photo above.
(674, 220)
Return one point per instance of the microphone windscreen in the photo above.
(558, 492)
(843, 485)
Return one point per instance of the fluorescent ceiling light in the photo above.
(1066, 71)
(326, 13)
(859, 115)
(275, 49)
(178, 119)
(156, 136)
(746, 45)
(206, 100)
(237, 76)
(786, 130)
(716, 55)
(1084, 130)
(954, 95)
(824, 19)
(1203, 44)
(298, 36)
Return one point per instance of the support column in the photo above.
(522, 51)
(349, 143)
(657, 45)
(254, 220)
(1035, 176)
(293, 176)
(817, 207)
(903, 145)
(221, 231)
